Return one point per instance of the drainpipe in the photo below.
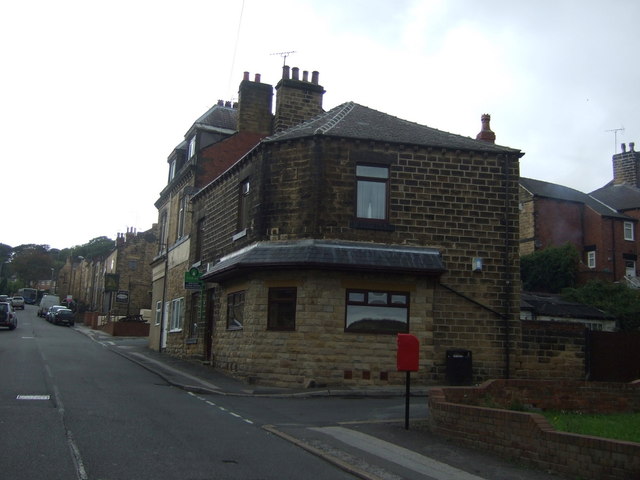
(507, 276)
(164, 295)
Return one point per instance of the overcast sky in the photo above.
(95, 95)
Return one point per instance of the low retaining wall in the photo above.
(126, 329)
(457, 414)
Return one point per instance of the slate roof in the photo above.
(560, 192)
(351, 120)
(217, 117)
(554, 306)
(329, 254)
(621, 197)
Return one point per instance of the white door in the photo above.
(630, 268)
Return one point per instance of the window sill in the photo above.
(239, 235)
(381, 226)
(176, 330)
(234, 329)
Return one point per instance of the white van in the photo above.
(46, 303)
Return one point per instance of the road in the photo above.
(70, 408)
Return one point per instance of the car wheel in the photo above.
(13, 327)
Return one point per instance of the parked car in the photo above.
(8, 316)
(63, 316)
(46, 303)
(52, 311)
(5, 298)
(17, 302)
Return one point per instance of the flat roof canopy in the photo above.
(331, 255)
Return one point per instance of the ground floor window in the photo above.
(177, 314)
(282, 308)
(158, 312)
(369, 311)
(235, 310)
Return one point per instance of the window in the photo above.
(162, 238)
(172, 169)
(282, 309)
(158, 312)
(235, 310)
(591, 259)
(377, 312)
(192, 147)
(243, 205)
(372, 192)
(181, 213)
(177, 314)
(630, 268)
(628, 231)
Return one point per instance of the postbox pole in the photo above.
(406, 400)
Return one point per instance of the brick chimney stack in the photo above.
(626, 166)
(486, 135)
(255, 101)
(297, 100)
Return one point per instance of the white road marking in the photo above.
(33, 397)
(399, 455)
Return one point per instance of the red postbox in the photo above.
(408, 353)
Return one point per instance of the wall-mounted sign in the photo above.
(192, 279)
(122, 296)
(111, 282)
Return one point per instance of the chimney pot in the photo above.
(486, 135)
(305, 76)
(246, 76)
(257, 78)
(314, 77)
(632, 145)
(295, 73)
(220, 103)
(227, 103)
(623, 147)
(285, 72)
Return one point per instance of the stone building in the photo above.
(211, 145)
(344, 228)
(118, 285)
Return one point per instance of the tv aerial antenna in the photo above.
(284, 56)
(615, 137)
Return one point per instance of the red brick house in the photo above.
(343, 228)
(602, 225)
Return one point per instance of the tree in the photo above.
(550, 270)
(31, 263)
(613, 298)
(98, 247)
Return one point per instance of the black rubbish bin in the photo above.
(459, 367)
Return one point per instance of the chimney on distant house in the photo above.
(626, 166)
(297, 100)
(255, 101)
(486, 135)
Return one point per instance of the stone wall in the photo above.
(551, 350)
(319, 351)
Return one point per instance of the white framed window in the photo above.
(591, 259)
(158, 312)
(177, 314)
(172, 170)
(628, 231)
(192, 147)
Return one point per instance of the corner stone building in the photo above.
(333, 235)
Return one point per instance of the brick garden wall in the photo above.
(528, 437)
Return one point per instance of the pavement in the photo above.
(370, 450)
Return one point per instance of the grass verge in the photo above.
(617, 426)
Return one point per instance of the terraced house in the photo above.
(337, 231)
